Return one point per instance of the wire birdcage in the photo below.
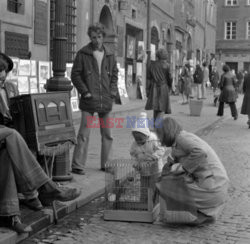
(130, 190)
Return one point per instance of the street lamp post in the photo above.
(58, 82)
(148, 32)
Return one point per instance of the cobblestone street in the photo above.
(231, 141)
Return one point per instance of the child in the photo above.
(146, 146)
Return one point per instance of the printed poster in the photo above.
(121, 85)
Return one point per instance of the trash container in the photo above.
(195, 107)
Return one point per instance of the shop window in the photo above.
(16, 6)
(17, 45)
(70, 29)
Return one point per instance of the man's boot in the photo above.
(50, 192)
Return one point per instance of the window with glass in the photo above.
(16, 6)
(231, 2)
(230, 30)
(248, 2)
(70, 29)
(248, 30)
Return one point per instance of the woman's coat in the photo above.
(245, 109)
(159, 83)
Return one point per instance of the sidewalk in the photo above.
(93, 183)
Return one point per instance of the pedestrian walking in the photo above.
(194, 182)
(186, 82)
(228, 93)
(94, 74)
(198, 78)
(245, 108)
(215, 77)
(159, 85)
(240, 78)
(205, 81)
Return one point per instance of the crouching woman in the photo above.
(194, 182)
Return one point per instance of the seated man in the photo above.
(19, 170)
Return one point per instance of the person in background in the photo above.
(159, 85)
(19, 170)
(186, 80)
(194, 182)
(215, 77)
(240, 78)
(198, 78)
(228, 93)
(205, 80)
(146, 146)
(245, 108)
(94, 74)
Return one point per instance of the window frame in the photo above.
(231, 3)
(248, 30)
(231, 34)
(248, 2)
(16, 6)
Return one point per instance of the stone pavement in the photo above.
(93, 183)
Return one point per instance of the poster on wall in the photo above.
(33, 69)
(23, 84)
(139, 79)
(74, 105)
(68, 70)
(153, 52)
(121, 85)
(13, 75)
(130, 75)
(33, 85)
(130, 47)
(141, 52)
(43, 71)
(24, 67)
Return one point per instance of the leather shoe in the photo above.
(236, 117)
(15, 224)
(78, 171)
(62, 194)
(33, 204)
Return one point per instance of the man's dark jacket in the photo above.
(86, 78)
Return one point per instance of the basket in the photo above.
(195, 107)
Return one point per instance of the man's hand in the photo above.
(88, 95)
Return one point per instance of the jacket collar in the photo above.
(88, 49)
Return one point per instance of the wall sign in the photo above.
(41, 19)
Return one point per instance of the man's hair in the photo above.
(225, 68)
(204, 64)
(98, 28)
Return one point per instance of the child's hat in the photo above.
(141, 124)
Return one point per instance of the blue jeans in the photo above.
(19, 171)
(81, 149)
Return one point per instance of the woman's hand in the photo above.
(177, 169)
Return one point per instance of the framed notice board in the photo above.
(41, 22)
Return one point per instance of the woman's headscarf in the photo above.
(168, 132)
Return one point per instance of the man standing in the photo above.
(205, 80)
(94, 74)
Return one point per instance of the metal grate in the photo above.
(70, 29)
(130, 185)
(16, 6)
(17, 45)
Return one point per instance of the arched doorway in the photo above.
(107, 20)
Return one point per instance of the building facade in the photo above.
(233, 34)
